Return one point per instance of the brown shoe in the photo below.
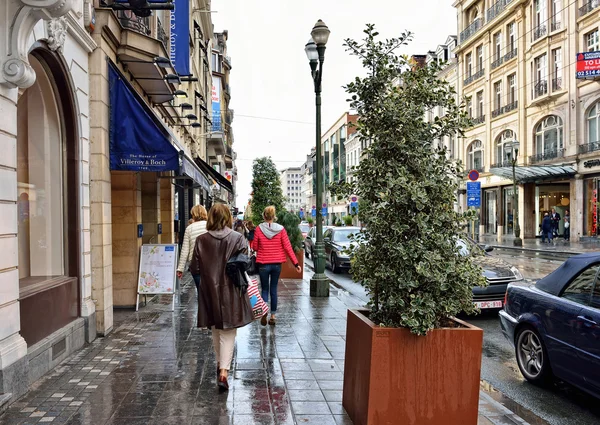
(272, 321)
(263, 320)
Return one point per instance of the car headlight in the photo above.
(517, 273)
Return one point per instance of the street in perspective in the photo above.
(239, 212)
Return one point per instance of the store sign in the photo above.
(594, 211)
(180, 37)
(588, 65)
(591, 163)
(158, 264)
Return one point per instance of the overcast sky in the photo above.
(271, 88)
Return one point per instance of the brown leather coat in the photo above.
(220, 304)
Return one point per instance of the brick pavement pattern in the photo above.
(156, 368)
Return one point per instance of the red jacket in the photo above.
(272, 251)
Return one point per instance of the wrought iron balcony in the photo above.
(547, 155)
(475, 76)
(131, 21)
(479, 120)
(161, 35)
(557, 84)
(497, 112)
(589, 147)
(471, 29)
(510, 55)
(539, 32)
(496, 9)
(588, 7)
(539, 89)
(498, 62)
(511, 106)
(555, 26)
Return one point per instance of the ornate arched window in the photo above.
(593, 124)
(475, 155)
(507, 136)
(549, 137)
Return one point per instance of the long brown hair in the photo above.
(219, 217)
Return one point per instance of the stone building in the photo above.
(517, 64)
(291, 186)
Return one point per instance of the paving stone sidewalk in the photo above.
(558, 245)
(157, 368)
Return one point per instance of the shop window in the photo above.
(475, 155)
(593, 121)
(549, 136)
(40, 182)
(503, 139)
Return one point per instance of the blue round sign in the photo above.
(473, 175)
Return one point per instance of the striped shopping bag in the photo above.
(259, 306)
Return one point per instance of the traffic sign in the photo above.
(474, 194)
(324, 209)
(473, 175)
(313, 212)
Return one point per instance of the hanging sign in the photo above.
(158, 265)
(180, 36)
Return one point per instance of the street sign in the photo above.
(324, 209)
(474, 194)
(301, 213)
(473, 175)
(313, 212)
(353, 208)
(588, 65)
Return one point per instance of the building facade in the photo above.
(291, 186)
(516, 64)
(309, 184)
(46, 303)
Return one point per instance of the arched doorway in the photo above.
(47, 201)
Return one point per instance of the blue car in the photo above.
(555, 324)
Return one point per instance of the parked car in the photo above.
(498, 274)
(304, 228)
(554, 324)
(310, 240)
(337, 240)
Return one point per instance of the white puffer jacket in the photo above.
(194, 230)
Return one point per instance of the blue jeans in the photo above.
(548, 235)
(197, 281)
(269, 277)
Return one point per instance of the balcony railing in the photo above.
(588, 7)
(511, 106)
(539, 32)
(475, 76)
(471, 29)
(479, 120)
(539, 89)
(497, 112)
(498, 62)
(555, 26)
(497, 9)
(589, 147)
(510, 55)
(557, 83)
(502, 164)
(131, 21)
(161, 35)
(547, 155)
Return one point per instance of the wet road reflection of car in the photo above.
(554, 325)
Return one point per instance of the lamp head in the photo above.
(320, 33)
(191, 117)
(311, 50)
(195, 125)
(180, 94)
(186, 106)
(162, 62)
(172, 79)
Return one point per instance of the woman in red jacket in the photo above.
(271, 244)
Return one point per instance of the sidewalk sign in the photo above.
(474, 194)
(157, 273)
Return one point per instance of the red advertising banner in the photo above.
(588, 65)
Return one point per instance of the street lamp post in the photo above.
(511, 150)
(315, 51)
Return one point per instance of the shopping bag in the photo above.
(259, 306)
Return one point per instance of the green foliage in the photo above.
(348, 220)
(406, 185)
(290, 222)
(266, 188)
(310, 220)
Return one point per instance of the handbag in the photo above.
(253, 268)
(259, 306)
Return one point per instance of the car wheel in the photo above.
(532, 356)
(334, 266)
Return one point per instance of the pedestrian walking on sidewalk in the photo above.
(567, 225)
(547, 228)
(196, 228)
(221, 306)
(555, 217)
(272, 244)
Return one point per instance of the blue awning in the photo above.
(137, 141)
(190, 169)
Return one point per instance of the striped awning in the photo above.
(532, 172)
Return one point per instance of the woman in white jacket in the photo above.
(197, 228)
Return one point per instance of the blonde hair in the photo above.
(269, 213)
(219, 217)
(198, 213)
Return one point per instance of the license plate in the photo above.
(488, 304)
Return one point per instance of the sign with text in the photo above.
(588, 65)
(474, 194)
(180, 37)
(158, 264)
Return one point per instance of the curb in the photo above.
(545, 251)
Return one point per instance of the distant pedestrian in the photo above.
(567, 220)
(271, 243)
(547, 228)
(240, 227)
(555, 217)
(221, 305)
(251, 228)
(196, 227)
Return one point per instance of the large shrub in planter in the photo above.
(406, 183)
(266, 188)
(290, 222)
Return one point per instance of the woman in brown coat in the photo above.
(221, 306)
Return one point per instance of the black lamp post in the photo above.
(315, 51)
(511, 151)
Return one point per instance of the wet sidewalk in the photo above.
(558, 245)
(157, 368)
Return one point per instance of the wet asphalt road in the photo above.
(560, 404)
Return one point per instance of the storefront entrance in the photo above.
(551, 196)
(491, 211)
